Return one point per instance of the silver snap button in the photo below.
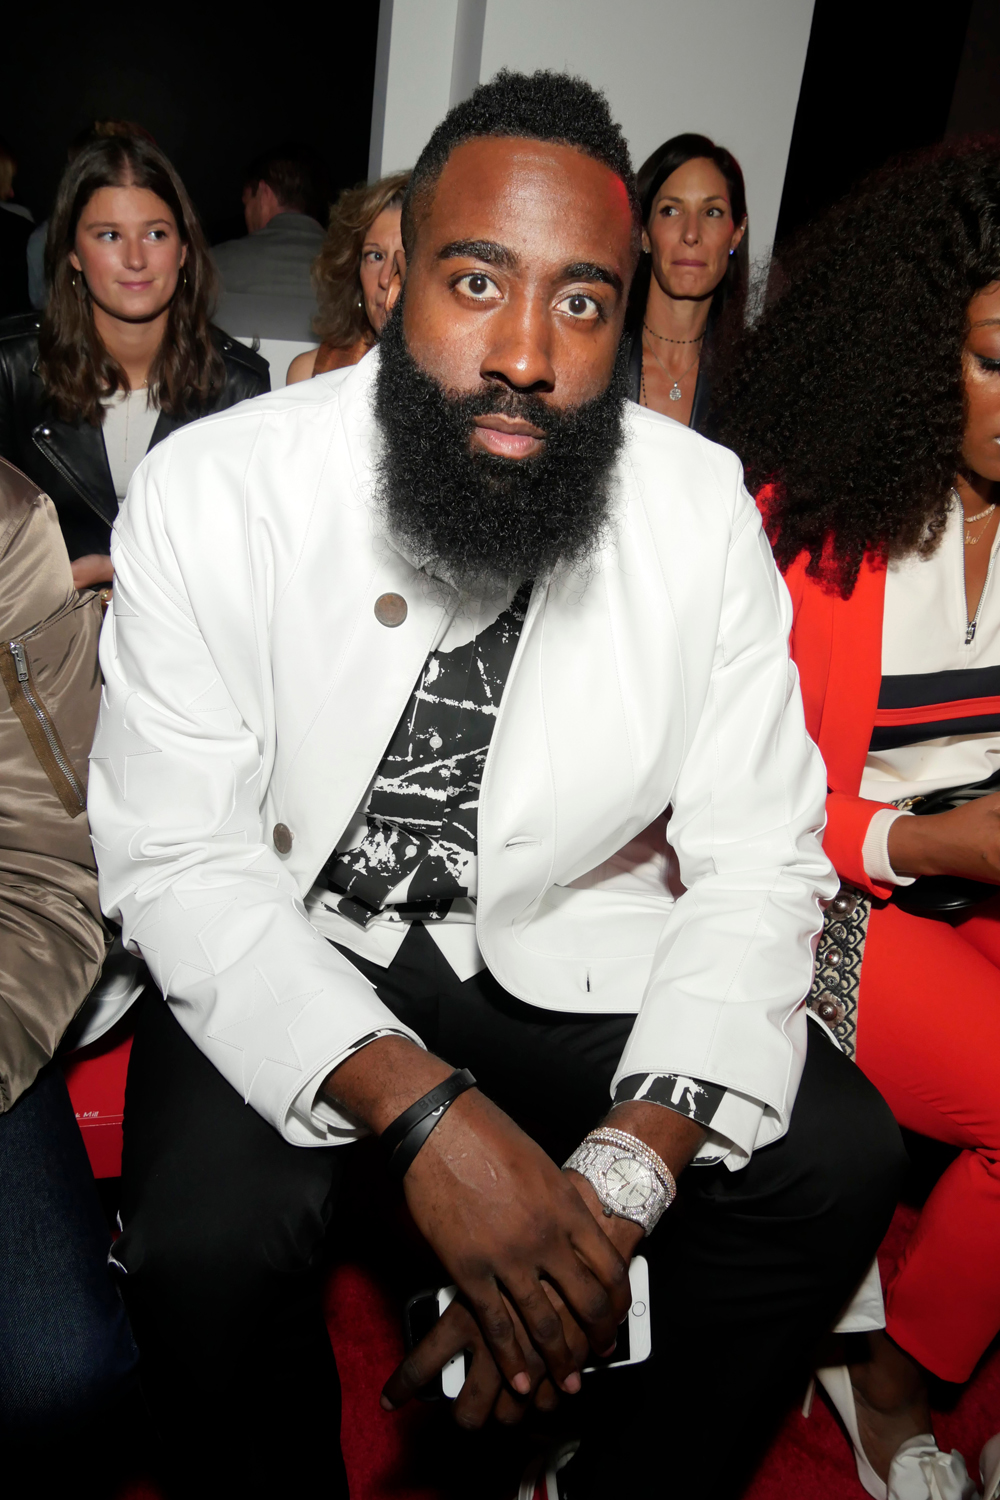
(844, 904)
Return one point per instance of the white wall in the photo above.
(728, 68)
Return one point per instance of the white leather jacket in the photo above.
(250, 684)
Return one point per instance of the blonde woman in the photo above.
(353, 274)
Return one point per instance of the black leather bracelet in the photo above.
(426, 1112)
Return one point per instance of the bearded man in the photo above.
(407, 666)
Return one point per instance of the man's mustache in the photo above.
(499, 401)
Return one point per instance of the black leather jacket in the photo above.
(67, 459)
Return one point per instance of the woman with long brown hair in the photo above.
(124, 352)
(353, 275)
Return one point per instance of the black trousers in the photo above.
(228, 1229)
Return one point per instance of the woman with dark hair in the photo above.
(689, 294)
(124, 352)
(353, 275)
(866, 408)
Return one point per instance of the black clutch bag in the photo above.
(943, 895)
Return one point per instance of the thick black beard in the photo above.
(487, 521)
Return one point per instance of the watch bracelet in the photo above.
(586, 1160)
(607, 1135)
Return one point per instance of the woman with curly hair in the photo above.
(124, 352)
(353, 275)
(866, 408)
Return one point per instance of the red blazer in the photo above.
(837, 646)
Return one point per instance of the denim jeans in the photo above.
(67, 1359)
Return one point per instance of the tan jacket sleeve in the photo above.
(52, 938)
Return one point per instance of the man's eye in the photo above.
(579, 306)
(476, 284)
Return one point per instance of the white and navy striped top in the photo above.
(938, 718)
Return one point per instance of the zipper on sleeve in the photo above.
(40, 728)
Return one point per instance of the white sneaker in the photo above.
(540, 1481)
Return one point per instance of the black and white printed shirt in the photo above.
(411, 851)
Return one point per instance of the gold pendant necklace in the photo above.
(970, 540)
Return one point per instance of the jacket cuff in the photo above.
(847, 821)
(324, 1122)
(732, 1121)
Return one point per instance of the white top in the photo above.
(925, 635)
(129, 420)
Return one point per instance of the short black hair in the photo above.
(541, 106)
(297, 175)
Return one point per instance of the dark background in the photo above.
(881, 78)
(210, 83)
(214, 89)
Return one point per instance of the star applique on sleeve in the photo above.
(115, 742)
(263, 1035)
(171, 934)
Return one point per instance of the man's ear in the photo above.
(396, 280)
(269, 201)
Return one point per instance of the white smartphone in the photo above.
(634, 1344)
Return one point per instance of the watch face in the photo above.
(629, 1182)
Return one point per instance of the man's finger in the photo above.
(544, 1326)
(455, 1330)
(596, 1252)
(498, 1330)
(478, 1395)
(575, 1337)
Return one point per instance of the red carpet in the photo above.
(404, 1456)
(811, 1459)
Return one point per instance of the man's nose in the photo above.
(519, 350)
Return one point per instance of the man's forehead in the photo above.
(514, 190)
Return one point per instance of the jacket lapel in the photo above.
(77, 451)
(855, 677)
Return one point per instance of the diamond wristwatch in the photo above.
(630, 1180)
